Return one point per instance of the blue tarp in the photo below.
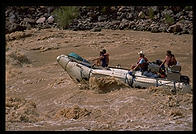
(77, 57)
(150, 74)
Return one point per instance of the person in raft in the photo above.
(103, 59)
(142, 63)
(170, 59)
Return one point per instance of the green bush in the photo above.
(169, 20)
(151, 13)
(64, 15)
(188, 8)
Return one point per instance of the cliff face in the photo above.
(142, 18)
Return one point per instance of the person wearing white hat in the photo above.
(142, 63)
(141, 52)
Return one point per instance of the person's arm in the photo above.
(99, 58)
(163, 62)
(140, 62)
(95, 59)
(136, 66)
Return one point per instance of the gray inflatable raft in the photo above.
(79, 70)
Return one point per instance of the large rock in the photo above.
(175, 28)
(163, 27)
(12, 27)
(12, 18)
(101, 18)
(124, 23)
(96, 29)
(167, 12)
(29, 20)
(50, 20)
(154, 28)
(41, 20)
(36, 16)
(129, 16)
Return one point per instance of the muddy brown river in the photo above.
(40, 95)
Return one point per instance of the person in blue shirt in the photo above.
(142, 64)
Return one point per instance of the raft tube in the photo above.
(79, 71)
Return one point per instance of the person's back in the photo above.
(105, 59)
(170, 60)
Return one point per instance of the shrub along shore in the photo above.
(172, 19)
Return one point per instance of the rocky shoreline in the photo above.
(177, 20)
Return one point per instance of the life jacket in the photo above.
(143, 66)
(171, 61)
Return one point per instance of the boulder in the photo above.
(163, 27)
(124, 23)
(41, 20)
(121, 16)
(12, 27)
(131, 24)
(155, 9)
(96, 29)
(175, 28)
(141, 15)
(167, 12)
(50, 19)
(129, 16)
(121, 9)
(154, 28)
(101, 18)
(29, 20)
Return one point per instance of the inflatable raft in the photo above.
(80, 69)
